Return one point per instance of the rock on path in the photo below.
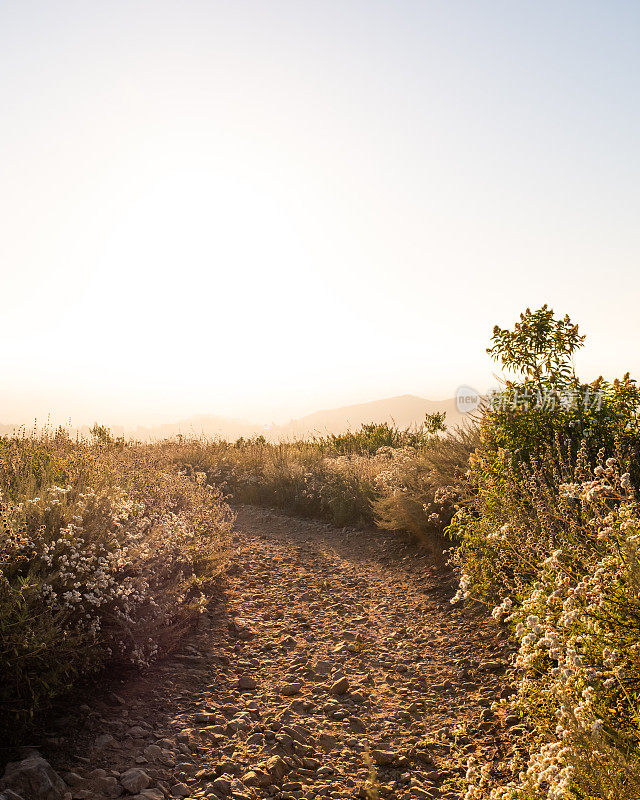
(334, 655)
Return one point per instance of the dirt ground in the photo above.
(332, 665)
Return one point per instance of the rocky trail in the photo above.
(332, 666)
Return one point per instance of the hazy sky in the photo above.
(263, 208)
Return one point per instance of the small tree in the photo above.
(539, 348)
(546, 404)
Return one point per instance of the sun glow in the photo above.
(264, 214)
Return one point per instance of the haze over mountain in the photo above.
(405, 411)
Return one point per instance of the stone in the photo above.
(277, 768)
(205, 718)
(136, 732)
(285, 743)
(445, 686)
(491, 666)
(135, 780)
(33, 778)
(222, 785)
(241, 628)
(180, 790)
(357, 725)
(341, 686)
(106, 740)
(73, 779)
(105, 784)
(290, 689)
(247, 682)
(384, 758)
(327, 741)
(153, 752)
(152, 794)
(7, 794)
(256, 777)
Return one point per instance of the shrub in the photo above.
(369, 438)
(550, 539)
(296, 476)
(26, 466)
(111, 566)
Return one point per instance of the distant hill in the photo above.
(406, 410)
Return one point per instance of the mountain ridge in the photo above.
(405, 411)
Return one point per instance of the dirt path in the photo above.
(330, 644)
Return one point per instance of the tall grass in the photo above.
(349, 479)
(421, 489)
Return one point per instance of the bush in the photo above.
(550, 539)
(371, 437)
(109, 567)
(298, 477)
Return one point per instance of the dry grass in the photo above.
(405, 488)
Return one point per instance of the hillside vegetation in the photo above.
(110, 549)
(402, 479)
(540, 503)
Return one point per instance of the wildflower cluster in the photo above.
(91, 574)
(576, 615)
(580, 650)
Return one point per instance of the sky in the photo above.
(260, 208)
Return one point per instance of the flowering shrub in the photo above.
(551, 541)
(111, 566)
(578, 664)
